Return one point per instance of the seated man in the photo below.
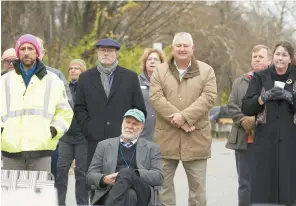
(124, 169)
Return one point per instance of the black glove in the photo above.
(53, 132)
(270, 94)
(283, 95)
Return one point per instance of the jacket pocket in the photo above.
(232, 138)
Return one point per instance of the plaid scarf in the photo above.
(106, 76)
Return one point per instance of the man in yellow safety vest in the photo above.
(35, 111)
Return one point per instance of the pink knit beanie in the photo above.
(27, 38)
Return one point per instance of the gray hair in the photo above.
(183, 35)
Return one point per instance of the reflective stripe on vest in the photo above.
(47, 94)
(28, 112)
(7, 90)
(64, 105)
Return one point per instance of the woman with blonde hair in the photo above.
(150, 60)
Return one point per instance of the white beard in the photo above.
(130, 136)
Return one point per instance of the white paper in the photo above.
(279, 84)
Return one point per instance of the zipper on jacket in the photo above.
(25, 89)
(27, 86)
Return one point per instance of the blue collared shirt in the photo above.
(128, 144)
(28, 75)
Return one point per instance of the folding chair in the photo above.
(37, 186)
(34, 180)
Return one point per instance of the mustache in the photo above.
(129, 131)
(27, 57)
(107, 58)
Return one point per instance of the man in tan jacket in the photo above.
(241, 136)
(182, 92)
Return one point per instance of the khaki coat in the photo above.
(193, 97)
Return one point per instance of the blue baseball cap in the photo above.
(137, 114)
(108, 43)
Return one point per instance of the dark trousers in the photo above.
(243, 165)
(67, 153)
(91, 148)
(129, 190)
(54, 162)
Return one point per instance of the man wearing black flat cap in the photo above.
(104, 93)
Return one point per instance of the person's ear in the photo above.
(142, 128)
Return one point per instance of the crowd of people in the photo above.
(127, 133)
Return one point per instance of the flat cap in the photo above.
(108, 43)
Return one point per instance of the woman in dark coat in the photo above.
(271, 97)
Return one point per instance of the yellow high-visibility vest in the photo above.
(28, 113)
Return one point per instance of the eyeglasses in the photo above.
(74, 68)
(8, 61)
(108, 51)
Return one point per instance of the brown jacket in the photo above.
(193, 97)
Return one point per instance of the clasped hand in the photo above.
(177, 120)
(277, 93)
